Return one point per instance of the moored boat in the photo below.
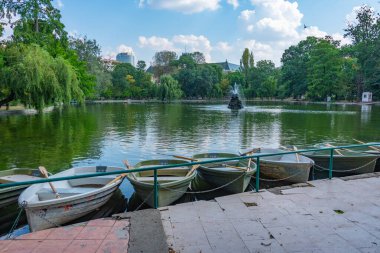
(345, 162)
(10, 195)
(172, 182)
(232, 176)
(293, 168)
(48, 206)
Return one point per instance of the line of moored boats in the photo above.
(55, 203)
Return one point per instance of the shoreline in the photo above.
(22, 111)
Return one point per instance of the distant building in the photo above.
(126, 58)
(367, 97)
(227, 66)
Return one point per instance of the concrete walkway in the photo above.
(338, 215)
(326, 216)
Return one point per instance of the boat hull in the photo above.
(44, 217)
(167, 193)
(289, 172)
(233, 181)
(344, 165)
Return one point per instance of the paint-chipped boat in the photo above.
(173, 182)
(232, 176)
(345, 162)
(77, 197)
(290, 167)
(10, 195)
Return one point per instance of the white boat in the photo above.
(10, 195)
(294, 168)
(75, 198)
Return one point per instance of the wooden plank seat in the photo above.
(47, 194)
(100, 181)
(17, 178)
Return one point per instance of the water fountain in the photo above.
(235, 103)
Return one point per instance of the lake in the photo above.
(106, 134)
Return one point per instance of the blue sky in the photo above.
(221, 29)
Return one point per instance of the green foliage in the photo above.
(162, 63)
(365, 34)
(294, 71)
(324, 72)
(168, 89)
(200, 81)
(35, 78)
(246, 65)
(264, 79)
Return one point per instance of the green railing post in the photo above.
(331, 162)
(155, 189)
(257, 174)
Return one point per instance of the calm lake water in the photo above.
(106, 134)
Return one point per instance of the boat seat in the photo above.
(103, 180)
(17, 178)
(160, 179)
(47, 194)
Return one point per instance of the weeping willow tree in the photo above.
(32, 76)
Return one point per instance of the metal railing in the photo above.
(256, 156)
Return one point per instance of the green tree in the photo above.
(365, 34)
(30, 75)
(294, 72)
(168, 89)
(264, 79)
(99, 78)
(325, 71)
(141, 65)
(246, 65)
(162, 63)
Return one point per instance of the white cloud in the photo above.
(234, 3)
(156, 43)
(178, 43)
(184, 6)
(246, 15)
(223, 47)
(343, 40)
(122, 48)
(250, 28)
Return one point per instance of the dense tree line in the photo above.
(41, 65)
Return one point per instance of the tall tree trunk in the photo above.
(8, 99)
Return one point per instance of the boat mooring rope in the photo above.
(357, 168)
(150, 194)
(205, 191)
(277, 180)
(15, 223)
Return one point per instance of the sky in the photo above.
(220, 29)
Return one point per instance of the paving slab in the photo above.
(338, 215)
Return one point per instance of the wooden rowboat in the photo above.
(10, 195)
(234, 175)
(290, 168)
(345, 162)
(76, 197)
(173, 182)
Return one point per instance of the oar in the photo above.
(297, 155)
(45, 173)
(185, 158)
(129, 167)
(193, 168)
(372, 147)
(234, 167)
(337, 151)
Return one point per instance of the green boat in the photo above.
(10, 195)
(293, 168)
(232, 176)
(173, 182)
(345, 162)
